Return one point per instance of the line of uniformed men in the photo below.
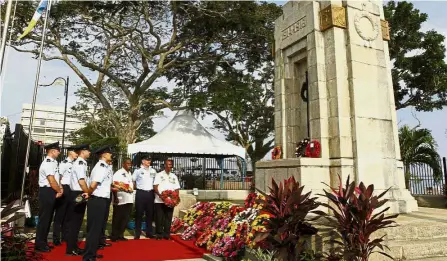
(64, 192)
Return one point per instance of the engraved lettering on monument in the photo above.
(296, 27)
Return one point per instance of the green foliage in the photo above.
(420, 71)
(288, 225)
(417, 146)
(238, 88)
(355, 222)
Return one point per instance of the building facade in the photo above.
(48, 123)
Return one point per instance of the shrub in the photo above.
(287, 227)
(355, 222)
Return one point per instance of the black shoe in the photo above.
(99, 256)
(106, 244)
(42, 249)
(136, 238)
(56, 242)
(167, 238)
(100, 247)
(150, 236)
(123, 239)
(158, 237)
(50, 246)
(74, 253)
(80, 250)
(91, 259)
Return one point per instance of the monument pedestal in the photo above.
(338, 50)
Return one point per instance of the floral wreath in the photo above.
(313, 149)
(301, 146)
(276, 153)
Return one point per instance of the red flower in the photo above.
(170, 198)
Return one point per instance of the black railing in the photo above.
(13, 158)
(422, 181)
(193, 171)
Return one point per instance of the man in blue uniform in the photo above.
(60, 224)
(143, 179)
(49, 190)
(76, 210)
(98, 194)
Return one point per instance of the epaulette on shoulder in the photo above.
(102, 165)
(48, 160)
(65, 161)
(81, 162)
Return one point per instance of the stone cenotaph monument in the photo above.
(340, 50)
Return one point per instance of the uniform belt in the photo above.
(145, 190)
(93, 196)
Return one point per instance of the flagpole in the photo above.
(5, 33)
(36, 85)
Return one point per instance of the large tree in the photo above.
(420, 70)
(239, 93)
(129, 46)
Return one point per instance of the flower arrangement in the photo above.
(170, 198)
(176, 225)
(225, 229)
(121, 186)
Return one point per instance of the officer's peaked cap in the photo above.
(54, 146)
(81, 147)
(104, 149)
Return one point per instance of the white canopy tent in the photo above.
(185, 135)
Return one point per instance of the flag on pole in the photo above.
(40, 9)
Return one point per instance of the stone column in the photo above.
(343, 46)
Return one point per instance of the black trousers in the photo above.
(164, 218)
(76, 212)
(121, 216)
(96, 207)
(60, 224)
(103, 237)
(144, 204)
(47, 199)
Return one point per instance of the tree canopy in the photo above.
(420, 70)
(129, 46)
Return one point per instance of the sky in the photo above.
(21, 72)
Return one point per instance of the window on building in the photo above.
(38, 130)
(42, 122)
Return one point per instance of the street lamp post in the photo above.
(66, 81)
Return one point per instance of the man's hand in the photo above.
(62, 190)
(115, 201)
(58, 195)
(115, 189)
(85, 195)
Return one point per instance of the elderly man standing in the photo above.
(123, 201)
(49, 190)
(144, 198)
(165, 180)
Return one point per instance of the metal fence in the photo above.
(13, 159)
(193, 171)
(422, 181)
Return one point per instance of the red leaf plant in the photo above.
(288, 225)
(354, 219)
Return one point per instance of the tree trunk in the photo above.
(126, 136)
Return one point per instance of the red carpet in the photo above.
(138, 250)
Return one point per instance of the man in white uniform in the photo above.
(60, 224)
(123, 202)
(49, 190)
(76, 210)
(98, 194)
(144, 197)
(165, 180)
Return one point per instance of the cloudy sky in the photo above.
(17, 87)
